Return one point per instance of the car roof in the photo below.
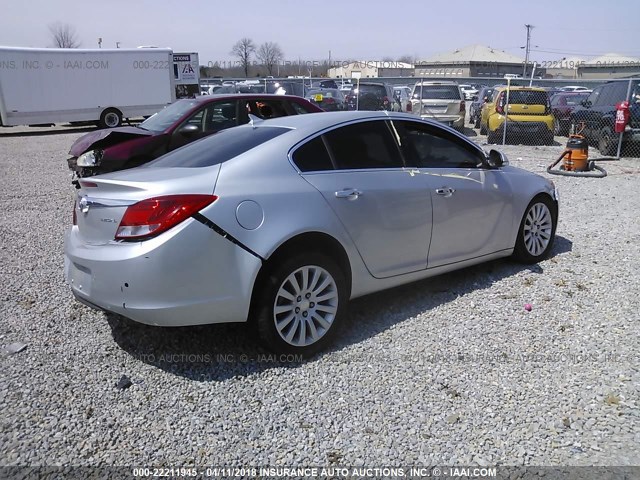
(310, 123)
(241, 96)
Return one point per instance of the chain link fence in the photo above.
(503, 111)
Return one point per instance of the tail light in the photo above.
(385, 100)
(462, 107)
(499, 105)
(409, 108)
(153, 216)
(329, 100)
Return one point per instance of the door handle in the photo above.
(348, 193)
(445, 192)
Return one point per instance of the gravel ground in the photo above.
(451, 370)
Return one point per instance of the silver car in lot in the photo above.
(282, 221)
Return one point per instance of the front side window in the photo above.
(363, 145)
(427, 146)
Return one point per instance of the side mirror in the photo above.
(496, 159)
(188, 130)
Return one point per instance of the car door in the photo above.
(472, 210)
(384, 209)
(211, 118)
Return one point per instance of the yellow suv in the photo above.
(529, 118)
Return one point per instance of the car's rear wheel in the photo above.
(537, 230)
(606, 142)
(110, 118)
(303, 300)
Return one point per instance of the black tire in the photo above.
(549, 139)
(607, 142)
(533, 249)
(321, 320)
(110, 118)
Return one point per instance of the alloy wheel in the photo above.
(537, 229)
(305, 306)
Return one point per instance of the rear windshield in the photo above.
(439, 92)
(218, 148)
(376, 89)
(520, 97)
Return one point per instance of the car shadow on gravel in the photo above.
(219, 352)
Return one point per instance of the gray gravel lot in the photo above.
(451, 370)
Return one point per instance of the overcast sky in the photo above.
(350, 29)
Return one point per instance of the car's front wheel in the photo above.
(302, 303)
(537, 230)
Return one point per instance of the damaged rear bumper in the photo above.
(189, 275)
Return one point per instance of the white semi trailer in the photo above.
(58, 85)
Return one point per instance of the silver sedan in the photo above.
(283, 221)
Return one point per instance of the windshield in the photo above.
(217, 148)
(168, 116)
(439, 92)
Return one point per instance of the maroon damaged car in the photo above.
(180, 123)
(562, 104)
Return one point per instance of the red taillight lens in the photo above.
(462, 106)
(153, 216)
(409, 108)
(385, 101)
(329, 100)
(499, 104)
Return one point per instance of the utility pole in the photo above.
(526, 55)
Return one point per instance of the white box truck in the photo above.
(58, 85)
(186, 74)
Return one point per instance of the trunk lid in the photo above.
(102, 200)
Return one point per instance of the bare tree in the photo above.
(243, 49)
(270, 54)
(63, 35)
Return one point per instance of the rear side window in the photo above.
(364, 145)
(217, 148)
(312, 156)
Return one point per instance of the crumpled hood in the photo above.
(106, 137)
